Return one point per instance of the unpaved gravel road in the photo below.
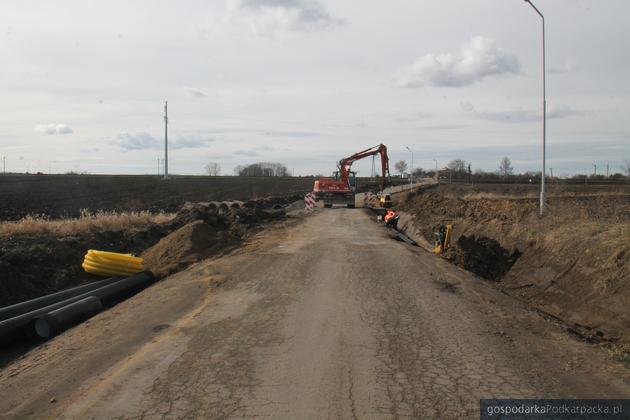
(326, 317)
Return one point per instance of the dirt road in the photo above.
(325, 318)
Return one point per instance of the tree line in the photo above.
(262, 169)
(460, 170)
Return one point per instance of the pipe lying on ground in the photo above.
(54, 322)
(107, 294)
(43, 301)
(124, 288)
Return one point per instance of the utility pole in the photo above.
(373, 166)
(607, 170)
(4, 165)
(551, 174)
(595, 170)
(158, 162)
(411, 170)
(544, 134)
(166, 140)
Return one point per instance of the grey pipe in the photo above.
(107, 294)
(43, 301)
(54, 322)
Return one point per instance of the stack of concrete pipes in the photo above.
(47, 316)
(223, 207)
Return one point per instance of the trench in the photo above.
(483, 256)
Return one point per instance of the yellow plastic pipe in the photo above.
(111, 263)
(115, 256)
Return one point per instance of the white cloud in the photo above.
(51, 129)
(196, 92)
(249, 153)
(137, 141)
(146, 141)
(521, 115)
(563, 111)
(477, 59)
(567, 66)
(269, 16)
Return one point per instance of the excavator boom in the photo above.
(346, 163)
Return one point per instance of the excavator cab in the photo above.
(352, 179)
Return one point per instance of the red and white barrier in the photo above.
(309, 203)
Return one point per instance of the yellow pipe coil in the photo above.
(108, 264)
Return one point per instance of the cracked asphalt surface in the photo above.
(327, 317)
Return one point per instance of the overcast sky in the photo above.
(307, 82)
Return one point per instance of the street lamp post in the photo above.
(542, 175)
(411, 170)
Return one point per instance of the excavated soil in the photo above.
(188, 244)
(37, 265)
(573, 263)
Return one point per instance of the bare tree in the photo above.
(457, 165)
(625, 167)
(401, 167)
(213, 169)
(505, 167)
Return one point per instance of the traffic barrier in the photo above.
(309, 203)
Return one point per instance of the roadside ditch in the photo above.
(38, 264)
(573, 264)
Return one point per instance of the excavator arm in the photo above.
(346, 163)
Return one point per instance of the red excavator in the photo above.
(341, 187)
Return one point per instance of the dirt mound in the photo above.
(573, 263)
(35, 265)
(483, 256)
(191, 212)
(188, 244)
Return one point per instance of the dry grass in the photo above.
(87, 222)
(619, 353)
(535, 195)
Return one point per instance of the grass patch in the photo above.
(86, 222)
(619, 353)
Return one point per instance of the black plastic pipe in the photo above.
(43, 301)
(124, 288)
(52, 323)
(107, 294)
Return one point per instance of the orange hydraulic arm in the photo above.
(345, 164)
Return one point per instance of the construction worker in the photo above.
(391, 219)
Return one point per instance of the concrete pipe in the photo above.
(40, 302)
(107, 294)
(223, 209)
(236, 204)
(54, 322)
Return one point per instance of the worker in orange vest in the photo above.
(391, 219)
